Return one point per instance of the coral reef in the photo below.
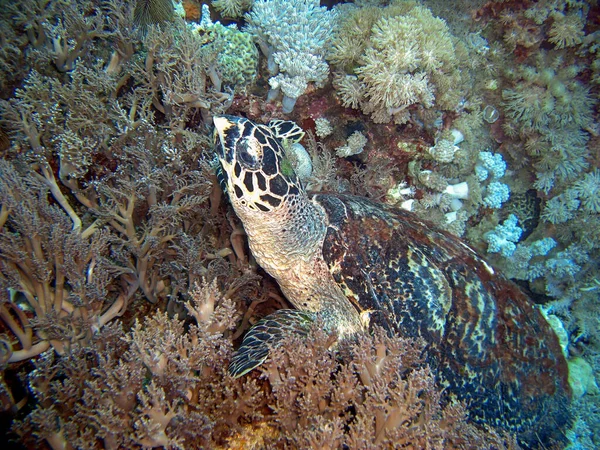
(166, 384)
(479, 116)
(97, 200)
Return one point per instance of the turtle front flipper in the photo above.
(266, 334)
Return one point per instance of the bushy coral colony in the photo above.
(125, 277)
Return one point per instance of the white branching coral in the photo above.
(294, 36)
(293, 80)
(323, 127)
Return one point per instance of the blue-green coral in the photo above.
(503, 238)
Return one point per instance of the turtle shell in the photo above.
(485, 341)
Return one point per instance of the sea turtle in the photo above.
(353, 263)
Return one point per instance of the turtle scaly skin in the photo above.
(352, 263)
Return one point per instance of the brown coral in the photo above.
(62, 274)
(160, 385)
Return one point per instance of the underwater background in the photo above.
(126, 282)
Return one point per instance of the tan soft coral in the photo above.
(382, 395)
(407, 57)
(63, 275)
(566, 30)
(160, 384)
(165, 383)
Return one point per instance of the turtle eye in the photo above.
(247, 155)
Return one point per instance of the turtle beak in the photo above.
(222, 124)
(224, 136)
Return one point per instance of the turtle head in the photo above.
(257, 176)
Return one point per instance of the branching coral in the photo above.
(129, 141)
(55, 116)
(108, 138)
(10, 51)
(62, 275)
(147, 387)
(177, 74)
(294, 36)
(380, 397)
(153, 383)
(113, 165)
